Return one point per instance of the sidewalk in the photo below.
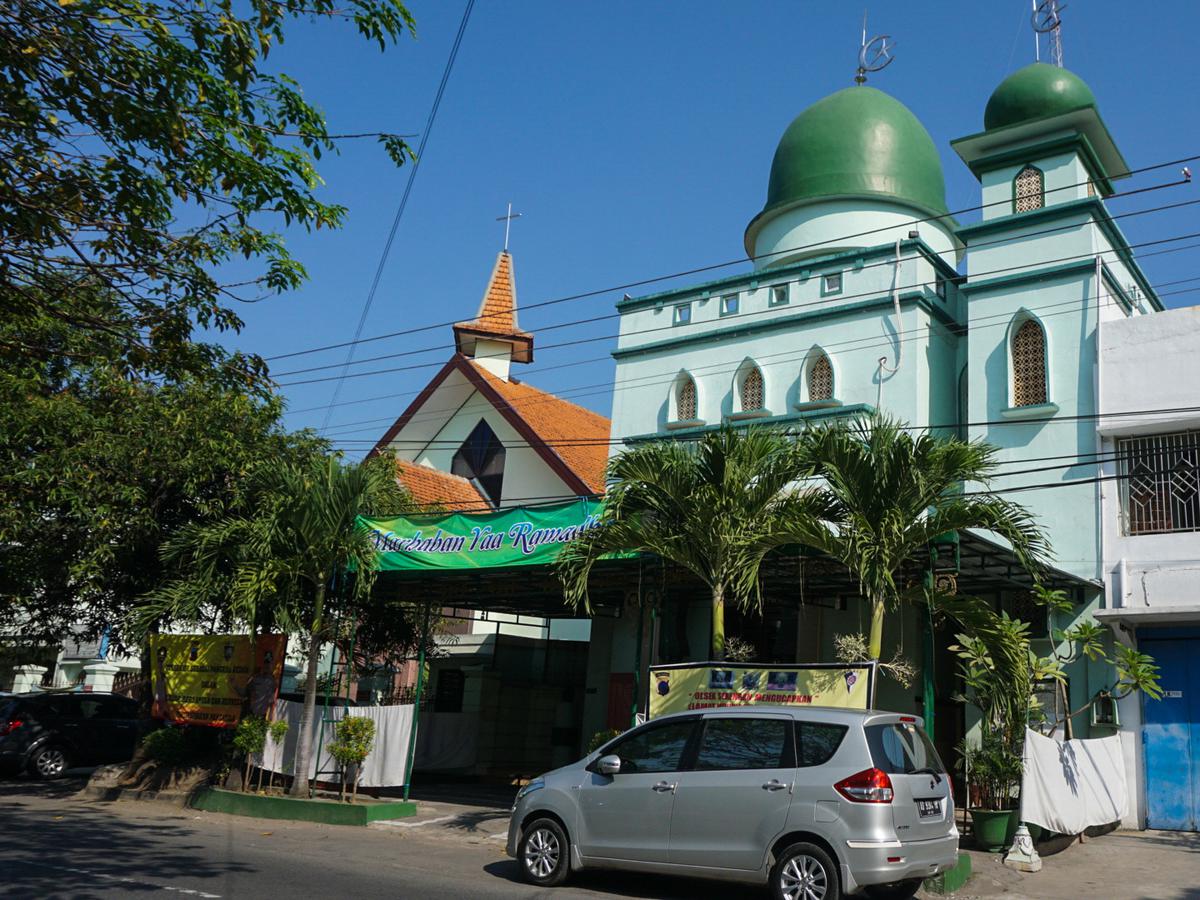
(473, 814)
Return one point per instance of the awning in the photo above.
(1145, 616)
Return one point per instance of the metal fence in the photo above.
(1160, 483)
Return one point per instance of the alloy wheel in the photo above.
(542, 851)
(50, 762)
(804, 878)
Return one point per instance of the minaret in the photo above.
(492, 338)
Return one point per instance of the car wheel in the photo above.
(897, 890)
(804, 872)
(542, 853)
(49, 761)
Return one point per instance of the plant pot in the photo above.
(991, 828)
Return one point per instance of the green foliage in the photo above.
(355, 739)
(250, 736)
(167, 746)
(996, 770)
(890, 492)
(716, 507)
(600, 738)
(278, 730)
(145, 145)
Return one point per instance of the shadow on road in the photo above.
(640, 885)
(62, 848)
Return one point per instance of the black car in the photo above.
(48, 733)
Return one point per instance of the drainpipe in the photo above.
(883, 366)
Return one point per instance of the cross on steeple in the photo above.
(507, 220)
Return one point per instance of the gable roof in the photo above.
(497, 316)
(571, 440)
(430, 486)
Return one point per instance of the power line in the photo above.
(822, 302)
(769, 360)
(412, 176)
(616, 315)
(711, 267)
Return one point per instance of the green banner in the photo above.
(512, 537)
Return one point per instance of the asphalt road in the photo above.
(52, 845)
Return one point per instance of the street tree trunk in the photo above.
(304, 738)
(875, 647)
(718, 622)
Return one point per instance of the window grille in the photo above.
(752, 389)
(685, 401)
(1160, 483)
(1029, 365)
(779, 295)
(1029, 190)
(820, 378)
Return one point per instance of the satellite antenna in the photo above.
(873, 54)
(1047, 19)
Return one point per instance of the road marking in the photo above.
(404, 823)
(93, 874)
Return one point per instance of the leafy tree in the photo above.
(250, 737)
(355, 738)
(98, 468)
(279, 561)
(716, 507)
(888, 494)
(144, 147)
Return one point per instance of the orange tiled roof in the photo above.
(430, 486)
(579, 436)
(498, 310)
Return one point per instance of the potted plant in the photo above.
(994, 772)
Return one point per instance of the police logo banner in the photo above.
(679, 688)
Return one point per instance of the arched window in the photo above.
(1029, 190)
(685, 399)
(481, 459)
(751, 390)
(1029, 365)
(819, 377)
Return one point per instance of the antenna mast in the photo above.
(1047, 19)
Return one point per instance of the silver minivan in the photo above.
(814, 802)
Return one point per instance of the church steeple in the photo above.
(493, 337)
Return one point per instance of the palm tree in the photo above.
(277, 563)
(715, 506)
(890, 493)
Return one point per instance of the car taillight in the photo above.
(10, 726)
(869, 786)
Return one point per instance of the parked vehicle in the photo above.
(48, 733)
(814, 802)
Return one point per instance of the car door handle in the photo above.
(663, 786)
(774, 785)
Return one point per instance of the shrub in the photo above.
(355, 739)
(167, 746)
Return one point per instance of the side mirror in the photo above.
(608, 765)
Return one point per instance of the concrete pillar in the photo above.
(98, 677)
(27, 678)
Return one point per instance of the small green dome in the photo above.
(1033, 92)
(858, 142)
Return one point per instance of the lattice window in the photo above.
(752, 390)
(820, 378)
(1029, 190)
(1029, 365)
(685, 401)
(1160, 484)
(1091, 189)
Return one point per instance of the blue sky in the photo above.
(635, 138)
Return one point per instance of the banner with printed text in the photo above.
(205, 679)
(678, 688)
(511, 537)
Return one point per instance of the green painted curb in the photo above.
(953, 880)
(329, 812)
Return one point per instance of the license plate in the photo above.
(927, 809)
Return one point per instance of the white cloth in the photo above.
(383, 767)
(1071, 785)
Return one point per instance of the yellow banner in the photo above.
(705, 686)
(204, 679)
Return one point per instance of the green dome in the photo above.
(1033, 92)
(858, 142)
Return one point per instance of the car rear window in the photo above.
(816, 742)
(900, 748)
